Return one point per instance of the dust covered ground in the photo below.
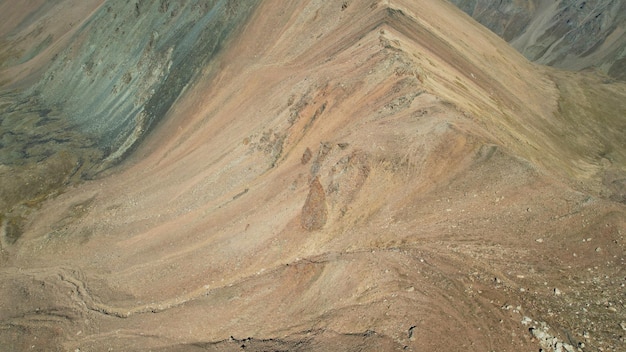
(352, 176)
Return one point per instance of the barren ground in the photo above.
(356, 176)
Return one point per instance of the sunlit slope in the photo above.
(362, 175)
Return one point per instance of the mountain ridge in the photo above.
(438, 221)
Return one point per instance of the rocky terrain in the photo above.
(308, 175)
(105, 74)
(570, 34)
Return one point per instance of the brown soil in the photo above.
(448, 202)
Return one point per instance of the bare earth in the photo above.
(357, 176)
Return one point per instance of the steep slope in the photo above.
(364, 175)
(570, 34)
(83, 82)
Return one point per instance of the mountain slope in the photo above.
(366, 175)
(83, 83)
(569, 34)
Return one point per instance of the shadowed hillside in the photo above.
(82, 84)
(356, 176)
(569, 34)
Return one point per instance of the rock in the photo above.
(314, 211)
(549, 342)
(568, 347)
(306, 156)
(411, 329)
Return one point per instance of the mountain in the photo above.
(569, 34)
(304, 175)
(83, 83)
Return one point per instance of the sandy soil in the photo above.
(355, 176)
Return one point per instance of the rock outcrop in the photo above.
(314, 211)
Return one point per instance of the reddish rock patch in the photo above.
(314, 211)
